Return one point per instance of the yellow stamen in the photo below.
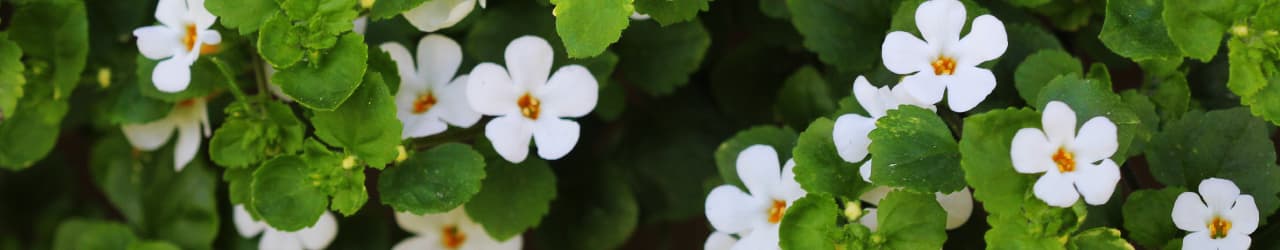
(529, 106)
(452, 238)
(1219, 227)
(424, 102)
(944, 66)
(1066, 160)
(775, 213)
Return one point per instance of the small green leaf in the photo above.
(913, 148)
(1255, 76)
(855, 45)
(810, 223)
(1172, 97)
(434, 181)
(819, 168)
(130, 106)
(245, 15)
(600, 217)
(1146, 216)
(92, 234)
(54, 37)
(277, 43)
(1027, 3)
(1090, 98)
(29, 135)
(669, 12)
(153, 245)
(589, 26)
(780, 139)
(1146, 111)
(514, 197)
(1135, 29)
(286, 195)
(1040, 68)
(985, 145)
(247, 138)
(1228, 144)
(178, 207)
(661, 59)
(385, 9)
(1099, 238)
(11, 78)
(1197, 27)
(803, 97)
(328, 84)
(365, 126)
(910, 220)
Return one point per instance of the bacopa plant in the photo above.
(639, 124)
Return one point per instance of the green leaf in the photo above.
(1090, 98)
(1099, 238)
(910, 220)
(285, 194)
(589, 26)
(1172, 97)
(153, 245)
(245, 15)
(54, 37)
(913, 148)
(11, 78)
(92, 234)
(384, 9)
(343, 183)
(819, 168)
(247, 138)
(204, 77)
(847, 34)
(130, 106)
(1255, 76)
(1042, 67)
(277, 44)
(381, 63)
(810, 223)
(985, 145)
(1018, 235)
(661, 59)
(669, 12)
(327, 85)
(365, 126)
(1027, 3)
(1146, 216)
(160, 203)
(29, 135)
(803, 97)
(1146, 111)
(239, 181)
(780, 139)
(600, 217)
(1197, 27)
(1226, 144)
(514, 197)
(434, 181)
(1135, 29)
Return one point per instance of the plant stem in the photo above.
(235, 87)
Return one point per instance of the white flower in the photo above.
(943, 60)
(189, 117)
(851, 130)
(430, 96)
(755, 216)
(719, 241)
(958, 205)
(438, 14)
(1069, 161)
(452, 230)
(316, 236)
(1225, 223)
(529, 105)
(183, 34)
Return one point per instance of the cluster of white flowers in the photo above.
(450, 230)
(754, 217)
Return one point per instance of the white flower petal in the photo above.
(1190, 214)
(876, 194)
(172, 75)
(1056, 189)
(1097, 182)
(1199, 240)
(171, 13)
(731, 211)
(188, 144)
(865, 171)
(360, 25)
(454, 107)
(158, 42)
(491, 92)
(510, 136)
(277, 240)
(209, 37)
(904, 97)
(419, 126)
(319, 236)
(421, 242)
(1059, 123)
(719, 241)
(1243, 216)
(869, 97)
(759, 239)
(483, 3)
(789, 190)
(968, 87)
(426, 224)
(405, 66)
(1219, 194)
(245, 225)
(940, 21)
(927, 88)
(1096, 140)
(148, 136)
(851, 137)
(529, 62)
(869, 219)
(438, 59)
(986, 41)
(959, 205)
(1032, 152)
(571, 92)
(758, 168)
(482, 241)
(438, 14)
(555, 137)
(904, 54)
(1233, 242)
(201, 16)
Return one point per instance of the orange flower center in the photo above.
(190, 39)
(944, 66)
(1066, 160)
(452, 238)
(529, 106)
(1218, 227)
(775, 213)
(424, 102)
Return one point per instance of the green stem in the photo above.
(235, 87)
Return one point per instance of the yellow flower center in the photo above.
(424, 102)
(529, 106)
(191, 38)
(452, 238)
(1066, 160)
(944, 66)
(1218, 227)
(775, 213)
